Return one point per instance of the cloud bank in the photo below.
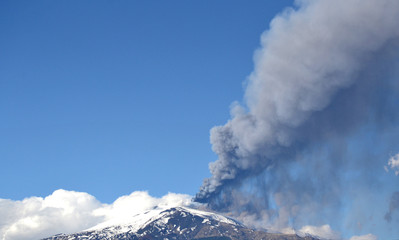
(68, 212)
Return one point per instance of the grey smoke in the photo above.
(307, 57)
(393, 205)
(324, 72)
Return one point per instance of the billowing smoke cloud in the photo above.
(320, 112)
(68, 212)
(306, 58)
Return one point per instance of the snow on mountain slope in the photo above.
(178, 223)
(161, 215)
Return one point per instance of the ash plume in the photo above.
(324, 77)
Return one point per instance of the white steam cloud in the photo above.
(68, 212)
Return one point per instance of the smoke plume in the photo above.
(320, 110)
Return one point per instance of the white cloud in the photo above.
(324, 232)
(393, 163)
(364, 237)
(68, 211)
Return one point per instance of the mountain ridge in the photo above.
(177, 223)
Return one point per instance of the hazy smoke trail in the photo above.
(324, 72)
(393, 205)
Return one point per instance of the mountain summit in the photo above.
(178, 223)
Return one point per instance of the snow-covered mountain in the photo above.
(175, 223)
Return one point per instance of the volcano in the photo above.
(177, 223)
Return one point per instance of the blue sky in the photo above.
(109, 97)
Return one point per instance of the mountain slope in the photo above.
(178, 223)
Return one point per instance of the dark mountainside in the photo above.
(181, 224)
